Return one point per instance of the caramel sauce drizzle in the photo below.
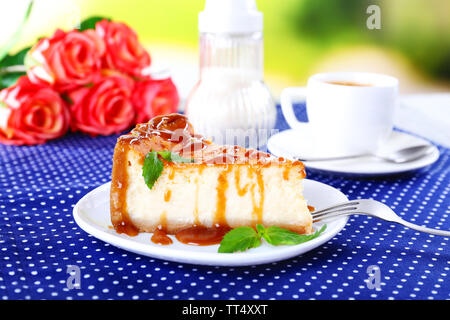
(222, 186)
(286, 172)
(174, 133)
(202, 236)
(171, 173)
(161, 237)
(118, 201)
(163, 221)
(259, 209)
(167, 195)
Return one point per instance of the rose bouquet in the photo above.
(94, 79)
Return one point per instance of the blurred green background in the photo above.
(301, 37)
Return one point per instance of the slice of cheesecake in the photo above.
(223, 186)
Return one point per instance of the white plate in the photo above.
(298, 143)
(91, 213)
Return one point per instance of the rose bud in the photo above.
(66, 60)
(31, 114)
(103, 109)
(154, 97)
(123, 50)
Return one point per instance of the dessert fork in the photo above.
(371, 208)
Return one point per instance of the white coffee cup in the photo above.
(348, 112)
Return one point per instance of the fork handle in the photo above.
(423, 229)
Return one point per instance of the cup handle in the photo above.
(287, 95)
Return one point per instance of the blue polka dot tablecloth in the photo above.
(369, 259)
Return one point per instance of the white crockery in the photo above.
(344, 119)
(92, 214)
(298, 143)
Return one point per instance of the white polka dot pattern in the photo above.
(39, 239)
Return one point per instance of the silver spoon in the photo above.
(398, 156)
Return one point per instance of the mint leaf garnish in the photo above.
(174, 157)
(239, 239)
(280, 236)
(260, 229)
(152, 169)
(243, 238)
(153, 166)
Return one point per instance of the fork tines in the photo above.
(335, 211)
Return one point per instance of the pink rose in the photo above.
(66, 60)
(123, 50)
(31, 114)
(103, 109)
(154, 97)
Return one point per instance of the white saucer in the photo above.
(298, 143)
(92, 214)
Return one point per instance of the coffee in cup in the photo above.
(349, 113)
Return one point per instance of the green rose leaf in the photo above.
(17, 59)
(12, 68)
(90, 23)
(9, 79)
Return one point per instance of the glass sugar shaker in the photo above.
(231, 103)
